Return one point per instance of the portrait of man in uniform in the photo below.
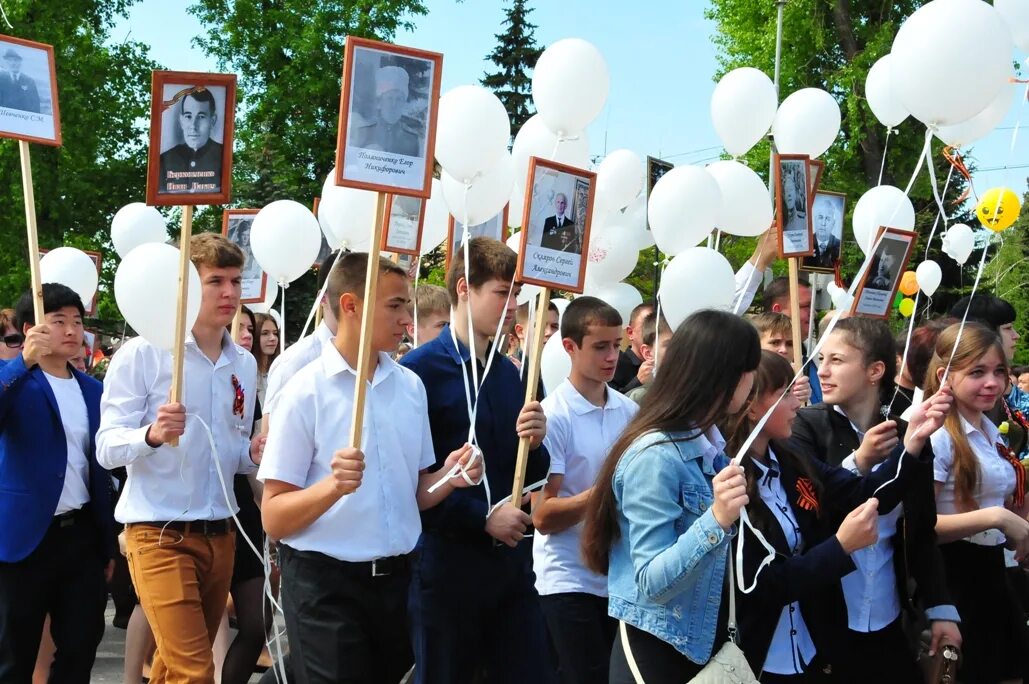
(28, 92)
(195, 164)
(389, 132)
(827, 210)
(791, 195)
(559, 230)
(17, 91)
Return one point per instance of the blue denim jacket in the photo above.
(667, 569)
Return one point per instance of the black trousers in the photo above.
(581, 633)
(658, 661)
(883, 657)
(63, 577)
(344, 625)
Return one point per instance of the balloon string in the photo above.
(417, 275)
(718, 238)
(282, 314)
(907, 348)
(964, 317)
(936, 223)
(321, 293)
(886, 147)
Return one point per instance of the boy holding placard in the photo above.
(473, 604)
(348, 518)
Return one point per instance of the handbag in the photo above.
(941, 668)
(728, 666)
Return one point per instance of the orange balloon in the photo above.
(909, 283)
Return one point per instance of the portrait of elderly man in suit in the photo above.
(559, 230)
(17, 91)
(827, 222)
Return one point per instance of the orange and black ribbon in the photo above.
(807, 499)
(1008, 455)
(238, 398)
(952, 155)
(183, 93)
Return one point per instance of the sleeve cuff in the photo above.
(850, 463)
(137, 442)
(709, 533)
(945, 612)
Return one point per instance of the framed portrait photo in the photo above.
(404, 217)
(655, 169)
(96, 258)
(495, 228)
(875, 293)
(793, 215)
(816, 167)
(387, 117)
(236, 225)
(28, 92)
(409, 263)
(192, 118)
(555, 237)
(827, 211)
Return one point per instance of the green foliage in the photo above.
(1007, 273)
(515, 55)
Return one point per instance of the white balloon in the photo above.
(941, 85)
(1015, 14)
(146, 287)
(437, 218)
(620, 179)
(622, 296)
(929, 276)
(611, 256)
(346, 215)
(285, 240)
(698, 278)
(958, 242)
(472, 131)
(684, 208)
(516, 207)
(569, 85)
(271, 293)
(807, 122)
(634, 216)
(561, 303)
(486, 196)
(883, 205)
(555, 364)
(841, 299)
(72, 268)
(879, 91)
(746, 206)
(742, 109)
(980, 125)
(136, 224)
(534, 139)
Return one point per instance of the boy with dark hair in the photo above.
(521, 330)
(178, 500)
(584, 418)
(348, 518)
(57, 549)
(655, 342)
(776, 332)
(472, 603)
(629, 361)
(432, 305)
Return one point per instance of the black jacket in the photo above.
(625, 372)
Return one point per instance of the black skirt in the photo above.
(993, 629)
(248, 565)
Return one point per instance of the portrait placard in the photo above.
(875, 293)
(409, 262)
(556, 233)
(387, 117)
(793, 216)
(815, 169)
(96, 258)
(827, 211)
(495, 228)
(236, 225)
(655, 169)
(402, 233)
(192, 118)
(28, 92)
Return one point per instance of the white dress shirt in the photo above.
(177, 483)
(748, 279)
(75, 420)
(312, 421)
(579, 437)
(291, 361)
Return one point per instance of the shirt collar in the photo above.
(322, 332)
(578, 403)
(855, 428)
(227, 346)
(988, 431)
(333, 363)
(706, 446)
(763, 470)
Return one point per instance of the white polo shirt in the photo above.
(312, 421)
(579, 436)
(287, 364)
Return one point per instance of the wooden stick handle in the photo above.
(179, 349)
(365, 351)
(532, 379)
(235, 321)
(798, 349)
(33, 236)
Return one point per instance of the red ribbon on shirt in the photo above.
(238, 398)
(807, 499)
(1008, 455)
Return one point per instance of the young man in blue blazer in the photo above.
(57, 545)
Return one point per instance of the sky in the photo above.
(659, 53)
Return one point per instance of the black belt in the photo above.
(70, 518)
(380, 567)
(207, 528)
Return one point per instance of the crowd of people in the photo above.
(878, 513)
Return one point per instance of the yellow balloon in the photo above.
(909, 283)
(907, 307)
(998, 208)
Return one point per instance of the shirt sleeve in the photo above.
(290, 449)
(428, 457)
(943, 449)
(556, 440)
(124, 410)
(747, 280)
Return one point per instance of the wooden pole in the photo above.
(235, 321)
(365, 351)
(318, 315)
(532, 381)
(798, 350)
(178, 351)
(33, 237)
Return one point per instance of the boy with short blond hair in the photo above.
(432, 313)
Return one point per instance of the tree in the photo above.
(104, 99)
(1007, 273)
(515, 55)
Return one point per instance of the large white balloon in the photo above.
(484, 198)
(883, 205)
(534, 139)
(980, 125)
(958, 242)
(516, 207)
(620, 179)
(569, 85)
(941, 85)
(72, 268)
(146, 288)
(746, 206)
(698, 278)
(928, 276)
(437, 217)
(271, 293)
(561, 303)
(807, 122)
(346, 215)
(742, 109)
(622, 296)
(472, 131)
(285, 240)
(879, 92)
(136, 224)
(683, 209)
(555, 364)
(1016, 15)
(612, 256)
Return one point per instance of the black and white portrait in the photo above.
(388, 116)
(28, 92)
(495, 228)
(794, 220)
(655, 169)
(881, 280)
(827, 210)
(236, 225)
(403, 231)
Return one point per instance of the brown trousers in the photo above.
(183, 583)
